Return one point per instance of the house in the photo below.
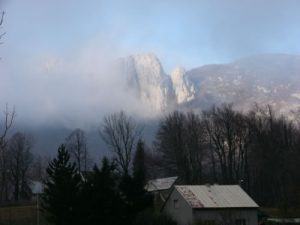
(161, 189)
(162, 185)
(211, 205)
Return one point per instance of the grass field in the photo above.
(27, 214)
(20, 215)
(279, 213)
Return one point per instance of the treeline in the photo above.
(258, 150)
(15, 162)
(100, 196)
(20, 168)
(113, 193)
(74, 191)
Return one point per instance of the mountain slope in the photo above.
(264, 79)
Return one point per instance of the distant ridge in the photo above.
(272, 79)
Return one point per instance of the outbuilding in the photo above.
(161, 189)
(211, 205)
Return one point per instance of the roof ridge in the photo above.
(216, 196)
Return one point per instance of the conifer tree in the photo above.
(139, 165)
(61, 192)
(103, 203)
(142, 198)
(132, 187)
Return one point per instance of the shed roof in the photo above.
(160, 184)
(216, 196)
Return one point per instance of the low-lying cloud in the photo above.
(73, 90)
(55, 55)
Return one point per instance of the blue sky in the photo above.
(55, 48)
(189, 32)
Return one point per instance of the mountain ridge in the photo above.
(264, 79)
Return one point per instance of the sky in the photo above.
(54, 52)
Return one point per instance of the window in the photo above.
(240, 222)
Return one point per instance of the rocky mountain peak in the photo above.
(148, 63)
(146, 77)
(183, 87)
(178, 73)
(267, 79)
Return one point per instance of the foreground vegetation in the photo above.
(102, 196)
(258, 150)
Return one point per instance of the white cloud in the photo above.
(75, 89)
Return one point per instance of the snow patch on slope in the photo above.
(296, 95)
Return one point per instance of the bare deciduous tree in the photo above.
(5, 125)
(258, 150)
(20, 159)
(77, 145)
(1, 23)
(38, 167)
(195, 147)
(169, 143)
(121, 133)
(180, 143)
(229, 139)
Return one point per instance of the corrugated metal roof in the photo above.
(160, 184)
(216, 196)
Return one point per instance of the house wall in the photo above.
(225, 216)
(177, 207)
